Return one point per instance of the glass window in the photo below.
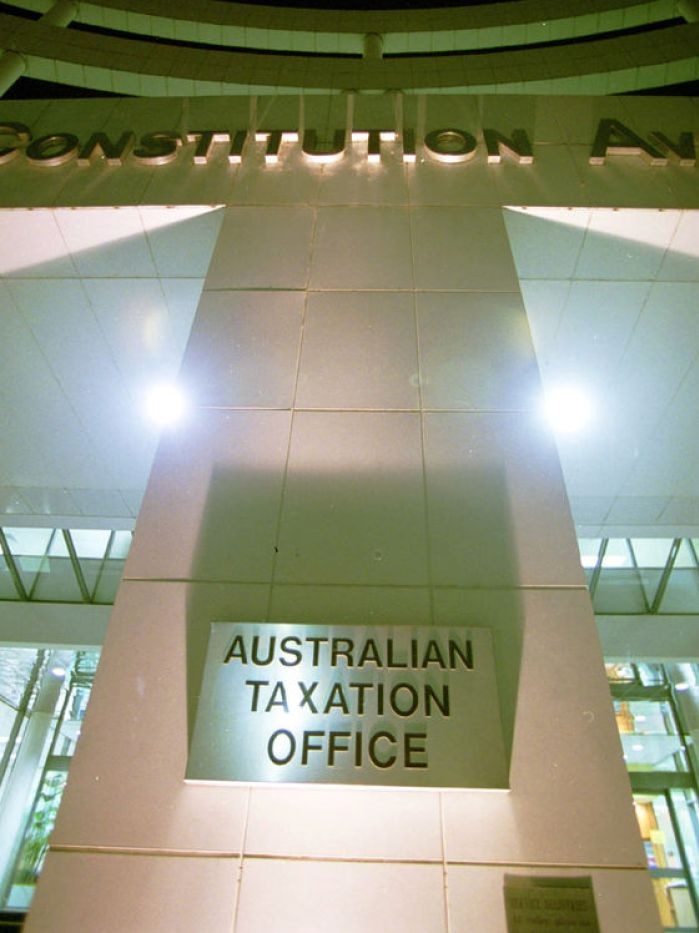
(686, 556)
(682, 593)
(28, 542)
(57, 582)
(674, 901)
(657, 831)
(28, 547)
(651, 552)
(650, 726)
(42, 558)
(641, 575)
(7, 586)
(618, 554)
(16, 666)
(649, 736)
(109, 581)
(36, 840)
(35, 770)
(589, 551)
(121, 543)
(619, 587)
(90, 543)
(651, 675)
(686, 807)
(620, 673)
(58, 547)
(657, 816)
(651, 556)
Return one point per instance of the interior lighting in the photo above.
(58, 671)
(682, 685)
(166, 404)
(567, 409)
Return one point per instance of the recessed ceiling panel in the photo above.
(87, 323)
(622, 326)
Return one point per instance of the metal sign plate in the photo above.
(374, 705)
(534, 904)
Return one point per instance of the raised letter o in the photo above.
(270, 747)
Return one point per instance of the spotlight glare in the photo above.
(165, 404)
(567, 409)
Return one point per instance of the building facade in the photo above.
(400, 718)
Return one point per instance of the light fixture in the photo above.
(567, 408)
(58, 672)
(165, 403)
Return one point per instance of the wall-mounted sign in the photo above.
(535, 904)
(446, 145)
(402, 705)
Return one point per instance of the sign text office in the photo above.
(364, 705)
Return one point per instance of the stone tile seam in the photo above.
(290, 434)
(266, 289)
(437, 861)
(365, 410)
(533, 587)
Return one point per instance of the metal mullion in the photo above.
(638, 573)
(594, 579)
(55, 726)
(639, 692)
(657, 782)
(75, 564)
(12, 567)
(44, 559)
(665, 576)
(103, 564)
(22, 711)
(689, 746)
(59, 721)
(683, 852)
(58, 763)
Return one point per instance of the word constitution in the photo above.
(449, 145)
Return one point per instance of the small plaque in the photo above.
(550, 905)
(380, 705)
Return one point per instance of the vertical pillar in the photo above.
(365, 449)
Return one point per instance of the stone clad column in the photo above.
(365, 449)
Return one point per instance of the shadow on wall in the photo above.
(322, 565)
(475, 568)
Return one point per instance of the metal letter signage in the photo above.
(447, 145)
(380, 705)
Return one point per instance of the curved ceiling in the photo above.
(210, 47)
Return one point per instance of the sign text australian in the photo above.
(372, 705)
(401, 699)
(447, 145)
